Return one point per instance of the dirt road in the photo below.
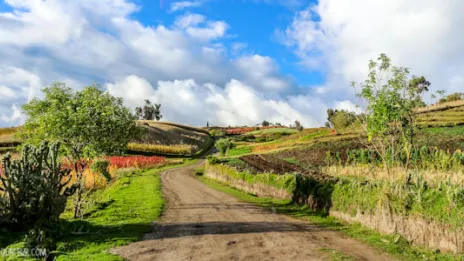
(200, 223)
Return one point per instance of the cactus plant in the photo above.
(33, 189)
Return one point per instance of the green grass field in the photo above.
(449, 131)
(120, 214)
(239, 151)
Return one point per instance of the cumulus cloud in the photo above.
(262, 72)
(235, 103)
(16, 115)
(178, 6)
(17, 86)
(185, 65)
(342, 36)
(196, 26)
(182, 65)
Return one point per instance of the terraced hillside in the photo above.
(161, 138)
(445, 114)
(168, 138)
(8, 141)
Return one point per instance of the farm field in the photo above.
(338, 172)
(326, 181)
(242, 130)
(159, 138)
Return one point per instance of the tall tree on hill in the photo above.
(340, 119)
(139, 113)
(298, 125)
(87, 123)
(421, 85)
(390, 119)
(149, 111)
(265, 123)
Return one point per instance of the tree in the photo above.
(149, 111)
(223, 145)
(265, 123)
(340, 119)
(391, 98)
(207, 124)
(87, 123)
(452, 97)
(157, 112)
(421, 84)
(298, 126)
(139, 113)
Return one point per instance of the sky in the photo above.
(226, 62)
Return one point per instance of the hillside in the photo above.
(443, 114)
(164, 138)
(442, 122)
(170, 139)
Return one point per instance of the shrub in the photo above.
(213, 160)
(101, 166)
(452, 97)
(223, 145)
(199, 171)
(34, 191)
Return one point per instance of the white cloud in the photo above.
(178, 6)
(261, 71)
(190, 20)
(101, 42)
(6, 93)
(187, 101)
(15, 117)
(342, 36)
(192, 24)
(17, 86)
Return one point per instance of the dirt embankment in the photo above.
(416, 230)
(200, 223)
(257, 189)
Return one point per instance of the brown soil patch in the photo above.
(265, 163)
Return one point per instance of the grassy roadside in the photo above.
(118, 215)
(392, 244)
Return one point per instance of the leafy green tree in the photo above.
(265, 123)
(391, 99)
(149, 111)
(298, 125)
(87, 123)
(340, 119)
(223, 145)
(452, 97)
(139, 113)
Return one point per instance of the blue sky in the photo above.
(253, 23)
(229, 62)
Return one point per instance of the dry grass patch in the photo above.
(395, 174)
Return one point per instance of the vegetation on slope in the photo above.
(170, 139)
(392, 244)
(116, 215)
